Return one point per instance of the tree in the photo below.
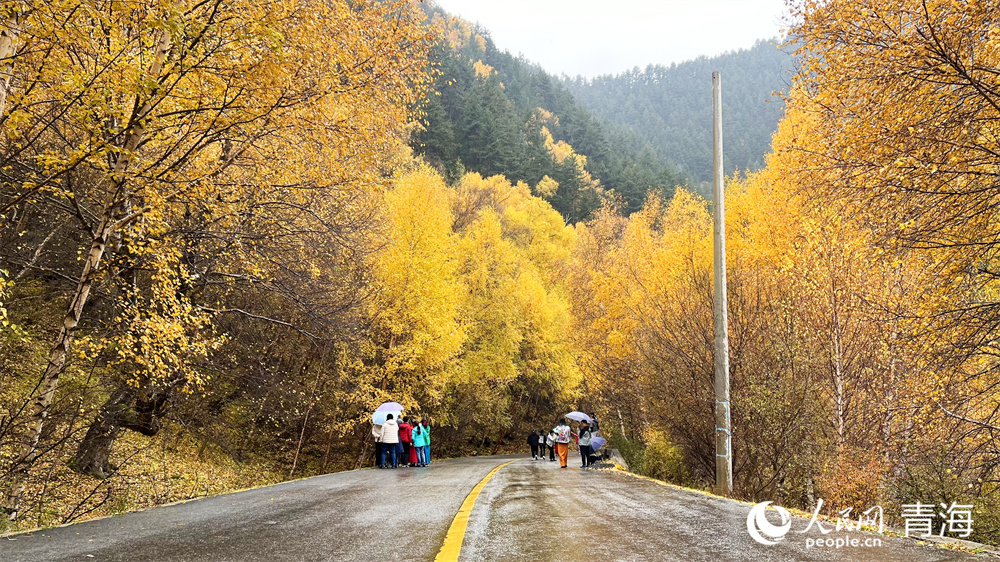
(487, 114)
(669, 108)
(182, 107)
(417, 332)
(903, 100)
(516, 360)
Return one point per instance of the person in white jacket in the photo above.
(389, 437)
(563, 437)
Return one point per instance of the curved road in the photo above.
(528, 511)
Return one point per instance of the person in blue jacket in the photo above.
(425, 424)
(420, 443)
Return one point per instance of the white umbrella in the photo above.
(579, 416)
(386, 408)
(390, 407)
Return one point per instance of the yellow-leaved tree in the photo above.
(416, 332)
(517, 361)
(140, 121)
(904, 110)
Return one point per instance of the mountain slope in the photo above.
(670, 108)
(494, 113)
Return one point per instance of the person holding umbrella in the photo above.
(596, 442)
(381, 414)
(584, 443)
(563, 435)
(389, 436)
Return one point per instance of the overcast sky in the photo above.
(592, 37)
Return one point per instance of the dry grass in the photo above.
(152, 471)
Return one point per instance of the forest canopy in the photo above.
(667, 110)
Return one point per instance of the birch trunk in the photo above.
(53, 370)
(890, 400)
(837, 359)
(838, 382)
(8, 48)
(57, 356)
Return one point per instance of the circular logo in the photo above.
(761, 530)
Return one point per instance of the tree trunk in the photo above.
(8, 48)
(838, 389)
(361, 456)
(95, 449)
(53, 370)
(503, 434)
(329, 445)
(839, 396)
(312, 400)
(125, 409)
(890, 400)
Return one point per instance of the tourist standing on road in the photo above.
(584, 443)
(533, 443)
(563, 434)
(550, 441)
(414, 461)
(405, 441)
(427, 435)
(419, 443)
(377, 434)
(595, 427)
(390, 440)
(541, 445)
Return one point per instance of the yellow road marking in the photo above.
(452, 546)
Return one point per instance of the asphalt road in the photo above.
(529, 511)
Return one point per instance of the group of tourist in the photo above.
(407, 442)
(403, 443)
(557, 441)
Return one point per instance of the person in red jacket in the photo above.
(413, 444)
(406, 440)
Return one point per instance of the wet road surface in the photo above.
(535, 511)
(528, 511)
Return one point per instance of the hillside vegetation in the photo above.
(492, 113)
(669, 108)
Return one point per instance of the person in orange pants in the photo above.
(563, 434)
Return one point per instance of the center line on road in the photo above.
(452, 546)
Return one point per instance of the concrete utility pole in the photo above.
(723, 435)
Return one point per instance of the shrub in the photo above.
(655, 456)
(855, 479)
(664, 460)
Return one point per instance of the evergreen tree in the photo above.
(670, 108)
(482, 118)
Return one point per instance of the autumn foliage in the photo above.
(862, 277)
(214, 241)
(168, 167)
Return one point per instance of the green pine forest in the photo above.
(665, 108)
(640, 130)
(491, 126)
